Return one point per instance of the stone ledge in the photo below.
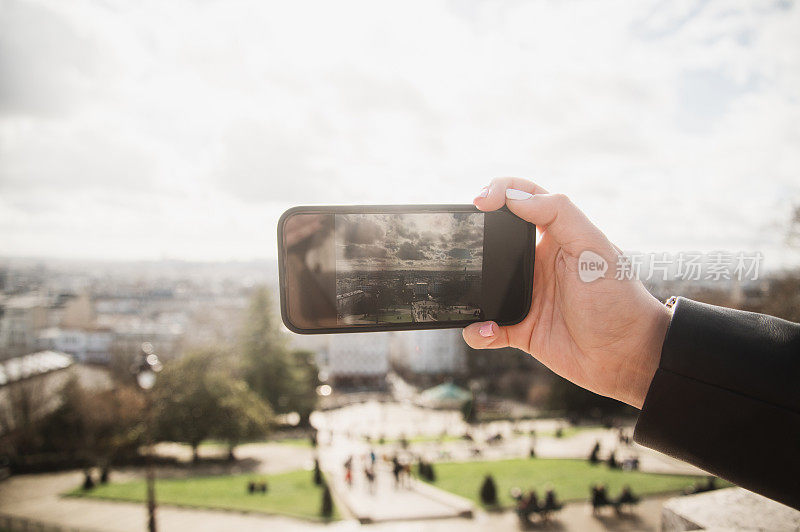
(727, 509)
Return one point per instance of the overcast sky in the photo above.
(420, 241)
(183, 129)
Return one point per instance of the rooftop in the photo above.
(26, 366)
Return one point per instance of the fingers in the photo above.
(493, 196)
(553, 213)
(485, 335)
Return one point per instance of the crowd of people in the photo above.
(528, 505)
(368, 465)
(600, 499)
(629, 462)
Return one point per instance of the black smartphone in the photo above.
(402, 267)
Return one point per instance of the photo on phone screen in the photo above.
(408, 267)
(395, 267)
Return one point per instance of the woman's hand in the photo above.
(604, 335)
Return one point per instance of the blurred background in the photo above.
(147, 150)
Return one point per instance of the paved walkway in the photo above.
(267, 458)
(349, 424)
(36, 497)
(386, 500)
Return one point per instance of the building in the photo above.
(436, 287)
(34, 365)
(32, 383)
(420, 289)
(130, 332)
(430, 353)
(353, 362)
(346, 303)
(85, 345)
(21, 320)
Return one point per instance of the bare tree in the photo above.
(793, 234)
(22, 406)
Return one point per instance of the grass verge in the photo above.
(293, 493)
(570, 479)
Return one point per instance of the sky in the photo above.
(418, 241)
(182, 129)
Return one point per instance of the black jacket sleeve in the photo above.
(726, 398)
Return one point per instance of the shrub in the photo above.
(327, 503)
(489, 491)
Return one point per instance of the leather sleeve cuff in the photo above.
(725, 398)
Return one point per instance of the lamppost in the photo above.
(145, 369)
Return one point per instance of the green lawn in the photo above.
(293, 442)
(568, 432)
(455, 316)
(395, 316)
(292, 493)
(421, 438)
(222, 446)
(570, 478)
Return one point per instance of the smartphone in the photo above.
(402, 267)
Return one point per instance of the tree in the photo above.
(793, 232)
(93, 428)
(286, 379)
(186, 403)
(243, 415)
(21, 413)
(197, 398)
(387, 298)
(782, 298)
(112, 421)
(580, 403)
(468, 410)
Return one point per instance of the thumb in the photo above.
(485, 335)
(554, 214)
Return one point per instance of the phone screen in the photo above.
(408, 267)
(345, 269)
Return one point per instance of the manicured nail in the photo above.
(512, 193)
(486, 330)
(484, 192)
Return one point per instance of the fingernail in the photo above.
(484, 192)
(486, 330)
(512, 193)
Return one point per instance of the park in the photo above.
(287, 477)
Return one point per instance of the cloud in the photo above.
(411, 251)
(355, 251)
(418, 240)
(46, 65)
(359, 230)
(467, 236)
(213, 117)
(459, 253)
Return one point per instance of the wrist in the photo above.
(655, 323)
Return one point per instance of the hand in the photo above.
(605, 335)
